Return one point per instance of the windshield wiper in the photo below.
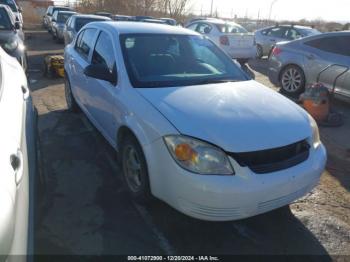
(215, 81)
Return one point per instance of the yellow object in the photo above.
(54, 65)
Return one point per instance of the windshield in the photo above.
(5, 22)
(154, 60)
(10, 3)
(309, 32)
(230, 28)
(63, 17)
(80, 22)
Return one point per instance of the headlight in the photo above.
(11, 45)
(197, 156)
(316, 141)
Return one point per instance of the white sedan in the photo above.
(234, 39)
(189, 126)
(17, 161)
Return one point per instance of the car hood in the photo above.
(238, 117)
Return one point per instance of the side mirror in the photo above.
(206, 30)
(101, 72)
(17, 26)
(20, 9)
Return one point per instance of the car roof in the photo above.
(67, 12)
(126, 27)
(92, 16)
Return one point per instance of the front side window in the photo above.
(11, 4)
(204, 29)
(103, 53)
(154, 60)
(276, 32)
(5, 22)
(193, 27)
(85, 42)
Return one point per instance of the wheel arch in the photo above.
(287, 65)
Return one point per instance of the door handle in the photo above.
(25, 92)
(310, 57)
(16, 161)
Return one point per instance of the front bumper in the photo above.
(225, 198)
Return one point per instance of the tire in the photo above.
(71, 103)
(134, 169)
(259, 52)
(292, 80)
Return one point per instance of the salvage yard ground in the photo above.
(85, 209)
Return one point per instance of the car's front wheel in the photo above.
(292, 80)
(71, 103)
(134, 167)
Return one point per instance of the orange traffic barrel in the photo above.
(316, 101)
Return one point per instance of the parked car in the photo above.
(17, 161)
(142, 17)
(237, 42)
(169, 21)
(297, 64)
(76, 22)
(122, 18)
(59, 20)
(11, 36)
(105, 14)
(189, 126)
(266, 38)
(153, 21)
(49, 12)
(17, 11)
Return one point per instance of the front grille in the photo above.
(273, 160)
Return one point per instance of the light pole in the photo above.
(211, 8)
(272, 3)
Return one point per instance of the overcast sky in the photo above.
(333, 10)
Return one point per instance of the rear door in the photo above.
(332, 52)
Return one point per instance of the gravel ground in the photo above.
(85, 209)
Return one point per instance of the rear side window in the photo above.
(85, 42)
(337, 44)
(103, 53)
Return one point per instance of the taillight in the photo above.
(276, 51)
(224, 40)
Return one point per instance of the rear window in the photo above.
(81, 22)
(58, 9)
(231, 28)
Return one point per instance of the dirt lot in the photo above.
(86, 210)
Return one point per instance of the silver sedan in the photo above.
(322, 58)
(267, 38)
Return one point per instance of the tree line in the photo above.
(177, 9)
